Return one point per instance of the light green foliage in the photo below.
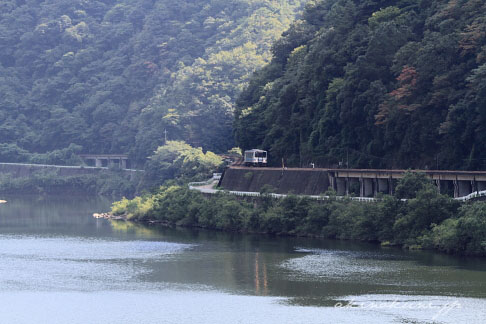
(178, 160)
(383, 15)
(235, 151)
(134, 208)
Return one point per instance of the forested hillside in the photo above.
(111, 76)
(375, 83)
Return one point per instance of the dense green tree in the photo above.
(111, 76)
(464, 234)
(411, 184)
(178, 160)
(383, 83)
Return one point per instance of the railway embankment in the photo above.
(284, 181)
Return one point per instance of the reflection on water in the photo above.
(389, 271)
(51, 215)
(64, 266)
(53, 263)
(133, 230)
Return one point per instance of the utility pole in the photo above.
(347, 159)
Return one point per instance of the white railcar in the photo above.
(255, 157)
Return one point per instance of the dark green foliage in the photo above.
(111, 76)
(381, 83)
(267, 189)
(66, 156)
(384, 218)
(109, 183)
(465, 234)
(429, 207)
(12, 153)
(411, 184)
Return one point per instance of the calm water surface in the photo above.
(60, 265)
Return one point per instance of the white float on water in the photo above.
(3, 201)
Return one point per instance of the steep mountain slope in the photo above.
(113, 75)
(375, 83)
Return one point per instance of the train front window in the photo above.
(261, 154)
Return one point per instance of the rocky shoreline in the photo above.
(124, 217)
(109, 216)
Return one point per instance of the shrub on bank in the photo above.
(464, 234)
(427, 220)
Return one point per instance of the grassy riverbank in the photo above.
(427, 220)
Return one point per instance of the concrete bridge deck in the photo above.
(209, 188)
(384, 173)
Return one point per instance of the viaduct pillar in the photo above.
(481, 185)
(341, 186)
(368, 187)
(384, 186)
(464, 188)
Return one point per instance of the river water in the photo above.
(60, 265)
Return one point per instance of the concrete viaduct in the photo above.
(106, 160)
(372, 182)
(357, 182)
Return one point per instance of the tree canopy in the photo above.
(111, 76)
(381, 83)
(178, 160)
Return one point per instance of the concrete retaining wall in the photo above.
(301, 182)
(26, 170)
(20, 170)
